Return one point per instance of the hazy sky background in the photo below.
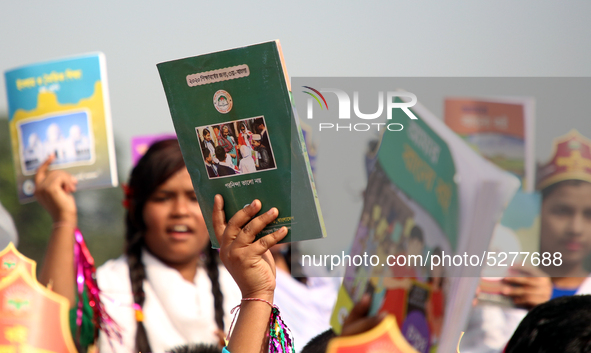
(333, 38)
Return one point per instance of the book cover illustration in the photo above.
(411, 291)
(224, 155)
(501, 130)
(409, 213)
(32, 317)
(61, 108)
(385, 337)
(239, 137)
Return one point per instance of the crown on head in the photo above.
(571, 161)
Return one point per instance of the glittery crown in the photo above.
(571, 161)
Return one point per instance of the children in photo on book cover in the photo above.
(565, 184)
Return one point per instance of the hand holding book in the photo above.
(250, 263)
(54, 192)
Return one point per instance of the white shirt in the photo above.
(176, 312)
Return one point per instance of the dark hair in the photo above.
(559, 325)
(206, 132)
(551, 188)
(220, 153)
(319, 343)
(196, 348)
(206, 153)
(162, 160)
(417, 233)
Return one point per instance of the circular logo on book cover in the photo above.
(222, 101)
(29, 187)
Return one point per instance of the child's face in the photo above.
(256, 143)
(207, 137)
(176, 231)
(209, 159)
(566, 223)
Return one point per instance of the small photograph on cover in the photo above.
(236, 147)
(66, 135)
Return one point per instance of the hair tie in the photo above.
(139, 313)
(128, 193)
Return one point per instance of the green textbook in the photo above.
(240, 137)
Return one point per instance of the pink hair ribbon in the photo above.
(86, 277)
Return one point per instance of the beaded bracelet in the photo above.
(280, 336)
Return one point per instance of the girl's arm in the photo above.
(252, 267)
(53, 191)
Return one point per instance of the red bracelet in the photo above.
(258, 300)
(280, 336)
(237, 308)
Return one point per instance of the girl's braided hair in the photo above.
(162, 160)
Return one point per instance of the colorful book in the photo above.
(416, 210)
(502, 131)
(236, 126)
(61, 108)
(499, 129)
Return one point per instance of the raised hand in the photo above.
(250, 263)
(528, 292)
(53, 190)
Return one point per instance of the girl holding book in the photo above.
(167, 289)
(565, 234)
